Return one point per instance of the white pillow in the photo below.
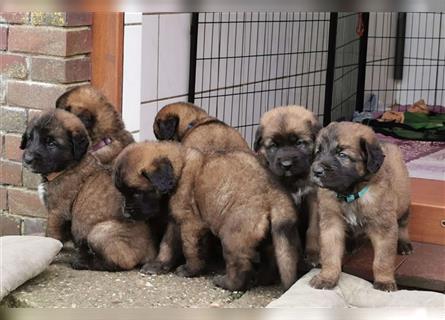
(352, 291)
(24, 257)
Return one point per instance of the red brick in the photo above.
(10, 225)
(3, 199)
(61, 19)
(3, 37)
(33, 113)
(60, 70)
(10, 173)
(50, 41)
(14, 17)
(12, 147)
(13, 65)
(26, 203)
(33, 95)
(33, 226)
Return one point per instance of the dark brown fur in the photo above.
(80, 194)
(229, 194)
(287, 135)
(349, 157)
(193, 127)
(100, 118)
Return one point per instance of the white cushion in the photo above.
(24, 257)
(352, 291)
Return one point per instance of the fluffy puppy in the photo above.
(193, 127)
(228, 194)
(81, 200)
(284, 143)
(364, 187)
(103, 122)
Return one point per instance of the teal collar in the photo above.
(354, 196)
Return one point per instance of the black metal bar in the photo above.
(400, 45)
(193, 54)
(361, 76)
(330, 68)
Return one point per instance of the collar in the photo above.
(50, 177)
(353, 196)
(102, 143)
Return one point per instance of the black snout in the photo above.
(286, 164)
(28, 158)
(318, 171)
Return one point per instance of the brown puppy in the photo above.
(103, 122)
(364, 187)
(82, 202)
(193, 127)
(229, 194)
(284, 143)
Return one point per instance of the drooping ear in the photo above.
(374, 155)
(167, 128)
(24, 140)
(163, 177)
(315, 128)
(87, 118)
(258, 139)
(80, 144)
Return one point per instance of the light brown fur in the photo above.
(230, 195)
(101, 119)
(382, 212)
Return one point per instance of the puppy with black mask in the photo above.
(82, 202)
(364, 188)
(284, 143)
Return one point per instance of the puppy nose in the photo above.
(318, 171)
(286, 164)
(28, 158)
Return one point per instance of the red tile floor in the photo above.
(423, 269)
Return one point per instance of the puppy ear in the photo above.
(87, 119)
(315, 128)
(24, 140)
(163, 178)
(374, 155)
(258, 139)
(167, 128)
(80, 144)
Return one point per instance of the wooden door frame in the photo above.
(107, 55)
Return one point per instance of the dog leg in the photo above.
(332, 242)
(312, 250)
(404, 246)
(56, 227)
(384, 244)
(192, 232)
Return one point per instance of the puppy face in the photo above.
(53, 142)
(144, 176)
(174, 119)
(346, 153)
(285, 141)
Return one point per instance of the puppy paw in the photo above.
(385, 286)
(184, 271)
(79, 264)
(404, 247)
(319, 282)
(312, 258)
(224, 283)
(154, 267)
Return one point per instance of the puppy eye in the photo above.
(272, 146)
(300, 142)
(51, 143)
(343, 155)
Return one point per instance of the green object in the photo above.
(354, 196)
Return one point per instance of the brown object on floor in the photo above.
(392, 116)
(423, 269)
(427, 211)
(419, 107)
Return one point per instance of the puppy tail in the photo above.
(286, 243)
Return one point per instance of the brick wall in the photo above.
(41, 56)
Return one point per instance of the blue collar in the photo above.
(354, 196)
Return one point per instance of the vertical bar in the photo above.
(438, 64)
(361, 76)
(400, 45)
(193, 53)
(330, 68)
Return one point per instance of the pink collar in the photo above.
(102, 143)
